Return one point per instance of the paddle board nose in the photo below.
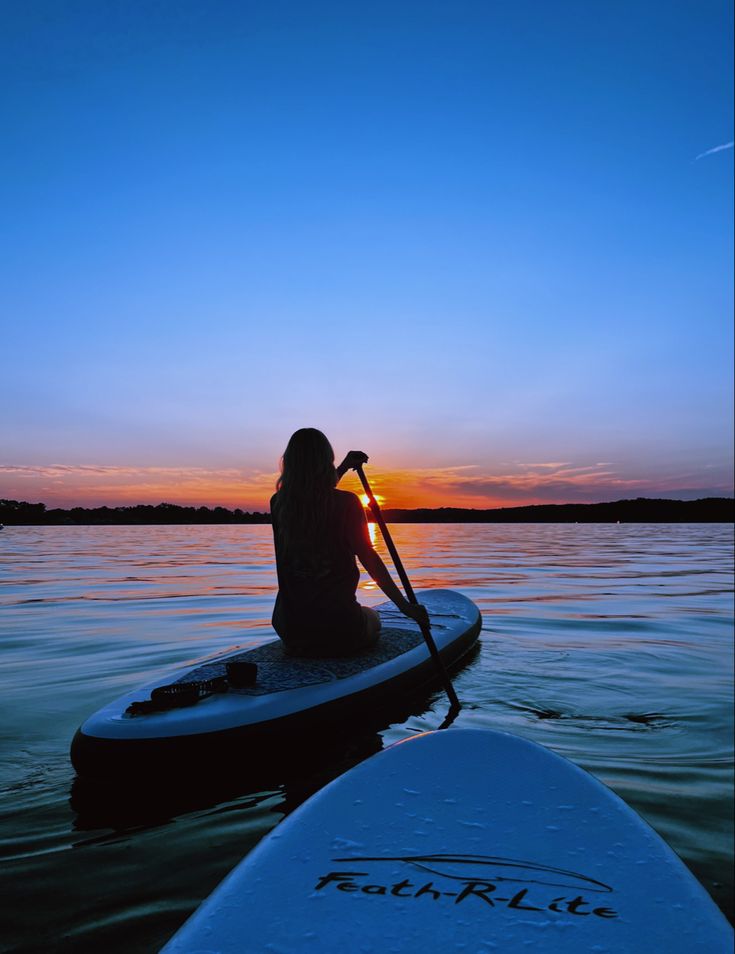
(461, 840)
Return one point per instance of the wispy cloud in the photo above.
(709, 152)
(521, 483)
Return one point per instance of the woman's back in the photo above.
(318, 574)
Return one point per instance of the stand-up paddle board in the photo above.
(290, 695)
(462, 840)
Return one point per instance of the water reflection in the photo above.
(285, 780)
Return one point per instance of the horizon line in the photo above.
(165, 503)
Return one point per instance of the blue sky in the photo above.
(473, 239)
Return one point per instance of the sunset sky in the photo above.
(488, 243)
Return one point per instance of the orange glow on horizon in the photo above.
(467, 486)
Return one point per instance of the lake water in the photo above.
(610, 644)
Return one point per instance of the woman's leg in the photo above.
(371, 626)
(277, 621)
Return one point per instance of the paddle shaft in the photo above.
(425, 630)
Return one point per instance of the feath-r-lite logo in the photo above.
(491, 881)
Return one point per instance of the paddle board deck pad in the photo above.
(460, 840)
(291, 696)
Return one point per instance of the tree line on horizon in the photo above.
(640, 510)
(14, 512)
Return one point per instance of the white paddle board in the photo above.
(460, 840)
(290, 695)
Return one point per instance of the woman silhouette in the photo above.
(318, 531)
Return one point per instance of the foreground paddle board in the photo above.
(291, 696)
(461, 840)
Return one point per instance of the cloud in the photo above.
(63, 485)
(709, 152)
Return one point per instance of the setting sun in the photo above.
(365, 500)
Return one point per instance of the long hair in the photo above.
(304, 491)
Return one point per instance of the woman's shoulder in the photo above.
(349, 506)
(346, 498)
(347, 502)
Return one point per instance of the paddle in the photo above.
(425, 630)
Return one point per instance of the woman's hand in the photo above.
(416, 612)
(352, 460)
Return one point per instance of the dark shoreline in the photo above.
(640, 510)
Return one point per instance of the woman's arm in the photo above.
(379, 573)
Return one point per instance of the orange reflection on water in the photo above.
(367, 583)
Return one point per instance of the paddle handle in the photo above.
(411, 596)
